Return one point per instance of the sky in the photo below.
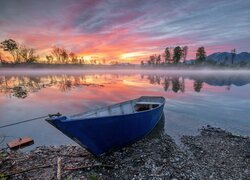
(126, 30)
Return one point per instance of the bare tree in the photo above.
(27, 54)
(56, 52)
(167, 55)
(61, 55)
(64, 56)
(158, 59)
(73, 57)
(152, 59)
(50, 59)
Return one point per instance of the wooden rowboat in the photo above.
(114, 126)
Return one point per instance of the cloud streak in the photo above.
(112, 28)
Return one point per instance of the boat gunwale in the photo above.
(136, 112)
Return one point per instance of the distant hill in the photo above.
(226, 58)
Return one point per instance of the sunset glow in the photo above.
(128, 31)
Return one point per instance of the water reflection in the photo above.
(22, 86)
(177, 83)
(198, 85)
(193, 101)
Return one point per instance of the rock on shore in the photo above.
(213, 154)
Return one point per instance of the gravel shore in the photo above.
(213, 154)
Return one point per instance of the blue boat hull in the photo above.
(102, 134)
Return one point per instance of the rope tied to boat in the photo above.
(33, 119)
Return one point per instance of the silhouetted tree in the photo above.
(184, 53)
(64, 56)
(142, 63)
(12, 47)
(61, 55)
(93, 61)
(201, 54)
(198, 85)
(81, 60)
(28, 54)
(50, 59)
(167, 55)
(152, 59)
(177, 54)
(56, 53)
(73, 57)
(233, 53)
(158, 59)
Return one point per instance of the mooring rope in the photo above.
(28, 120)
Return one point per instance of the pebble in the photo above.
(212, 154)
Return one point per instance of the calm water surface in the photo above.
(192, 101)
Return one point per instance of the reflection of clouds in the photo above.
(115, 84)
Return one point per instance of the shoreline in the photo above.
(212, 154)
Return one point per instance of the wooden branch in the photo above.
(74, 156)
(26, 170)
(59, 168)
(88, 166)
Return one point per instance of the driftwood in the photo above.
(67, 155)
(88, 166)
(26, 170)
(74, 156)
(59, 168)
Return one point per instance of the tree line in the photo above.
(175, 55)
(22, 54)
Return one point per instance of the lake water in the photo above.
(193, 100)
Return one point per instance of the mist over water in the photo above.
(194, 98)
(72, 71)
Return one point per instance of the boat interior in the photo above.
(143, 103)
